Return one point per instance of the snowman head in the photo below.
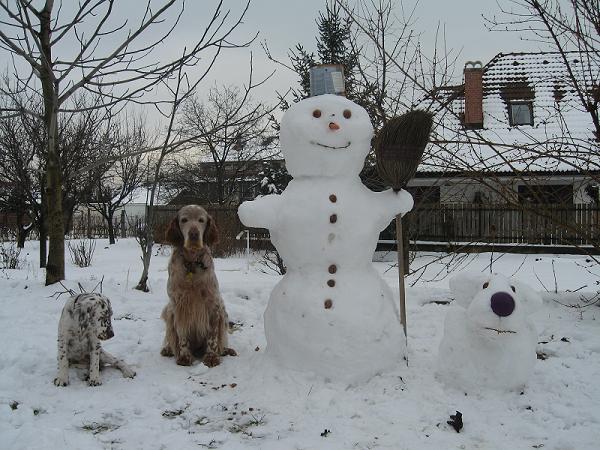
(496, 305)
(326, 135)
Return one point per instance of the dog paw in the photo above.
(166, 351)
(211, 360)
(184, 360)
(229, 352)
(128, 373)
(59, 381)
(94, 382)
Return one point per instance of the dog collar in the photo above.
(191, 266)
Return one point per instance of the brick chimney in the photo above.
(473, 94)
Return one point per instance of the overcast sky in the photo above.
(283, 23)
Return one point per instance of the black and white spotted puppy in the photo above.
(84, 322)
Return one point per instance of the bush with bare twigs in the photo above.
(82, 252)
(10, 255)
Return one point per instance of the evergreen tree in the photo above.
(333, 47)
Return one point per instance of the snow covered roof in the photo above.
(560, 139)
(140, 195)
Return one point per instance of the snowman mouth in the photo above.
(500, 331)
(330, 146)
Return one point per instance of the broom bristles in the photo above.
(400, 145)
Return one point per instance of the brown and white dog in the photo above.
(195, 317)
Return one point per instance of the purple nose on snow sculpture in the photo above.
(502, 304)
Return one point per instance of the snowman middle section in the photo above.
(332, 313)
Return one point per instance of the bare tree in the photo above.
(18, 179)
(121, 178)
(82, 137)
(235, 136)
(111, 58)
(181, 88)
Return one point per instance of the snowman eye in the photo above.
(317, 113)
(485, 285)
(513, 289)
(347, 113)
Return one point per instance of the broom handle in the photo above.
(400, 248)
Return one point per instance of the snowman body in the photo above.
(331, 314)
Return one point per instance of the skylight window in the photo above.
(520, 113)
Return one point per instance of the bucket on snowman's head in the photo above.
(327, 79)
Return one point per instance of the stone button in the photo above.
(328, 303)
(333, 218)
(332, 269)
(331, 283)
(332, 198)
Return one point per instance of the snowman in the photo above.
(331, 314)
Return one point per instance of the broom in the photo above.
(398, 149)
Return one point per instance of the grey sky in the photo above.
(283, 23)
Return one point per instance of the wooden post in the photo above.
(400, 249)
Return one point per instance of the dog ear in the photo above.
(85, 315)
(211, 233)
(531, 300)
(466, 285)
(173, 234)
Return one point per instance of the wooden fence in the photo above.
(577, 225)
(533, 224)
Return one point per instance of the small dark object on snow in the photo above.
(456, 421)
(542, 356)
(564, 339)
(14, 405)
(325, 432)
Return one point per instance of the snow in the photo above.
(489, 340)
(557, 125)
(246, 402)
(331, 314)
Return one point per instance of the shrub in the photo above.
(10, 255)
(82, 252)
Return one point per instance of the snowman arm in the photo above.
(261, 212)
(389, 203)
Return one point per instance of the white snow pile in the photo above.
(331, 314)
(249, 402)
(489, 339)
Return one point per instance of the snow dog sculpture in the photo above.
(331, 314)
(489, 340)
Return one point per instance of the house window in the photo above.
(424, 194)
(546, 194)
(520, 113)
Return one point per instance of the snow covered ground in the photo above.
(247, 402)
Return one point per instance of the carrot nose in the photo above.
(333, 126)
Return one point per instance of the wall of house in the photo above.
(498, 191)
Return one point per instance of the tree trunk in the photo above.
(146, 255)
(111, 228)
(89, 223)
(43, 232)
(22, 232)
(123, 225)
(55, 267)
